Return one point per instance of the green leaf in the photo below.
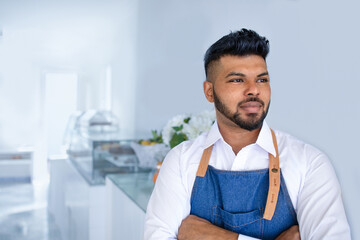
(178, 128)
(186, 120)
(156, 137)
(154, 134)
(177, 138)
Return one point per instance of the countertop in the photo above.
(137, 186)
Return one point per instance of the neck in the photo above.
(237, 137)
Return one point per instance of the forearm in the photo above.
(195, 228)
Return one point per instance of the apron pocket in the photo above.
(237, 222)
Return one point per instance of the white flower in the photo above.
(168, 130)
(198, 124)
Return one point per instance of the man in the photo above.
(242, 180)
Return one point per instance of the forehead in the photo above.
(249, 64)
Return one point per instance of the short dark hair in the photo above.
(239, 43)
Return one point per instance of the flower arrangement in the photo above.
(187, 127)
(180, 128)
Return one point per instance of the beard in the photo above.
(253, 122)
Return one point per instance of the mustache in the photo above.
(251, 99)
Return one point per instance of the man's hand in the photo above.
(196, 228)
(291, 234)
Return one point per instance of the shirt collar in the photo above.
(264, 139)
(213, 136)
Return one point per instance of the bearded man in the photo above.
(243, 180)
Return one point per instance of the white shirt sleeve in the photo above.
(320, 210)
(169, 203)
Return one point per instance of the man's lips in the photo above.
(251, 107)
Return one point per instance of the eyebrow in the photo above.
(243, 75)
(263, 74)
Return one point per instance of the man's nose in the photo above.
(252, 89)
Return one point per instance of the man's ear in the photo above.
(208, 91)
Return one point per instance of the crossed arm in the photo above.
(196, 228)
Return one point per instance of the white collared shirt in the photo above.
(309, 177)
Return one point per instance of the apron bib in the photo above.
(251, 203)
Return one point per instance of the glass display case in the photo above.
(94, 146)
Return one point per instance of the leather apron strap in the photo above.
(274, 176)
(204, 162)
(274, 181)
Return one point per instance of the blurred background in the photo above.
(143, 61)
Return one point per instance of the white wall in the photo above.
(82, 37)
(313, 61)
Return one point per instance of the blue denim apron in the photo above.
(236, 200)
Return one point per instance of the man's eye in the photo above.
(237, 80)
(262, 80)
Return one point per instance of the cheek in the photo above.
(229, 98)
(232, 100)
(267, 99)
(266, 93)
